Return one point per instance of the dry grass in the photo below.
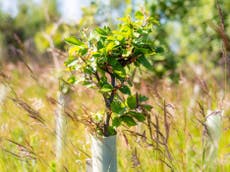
(170, 140)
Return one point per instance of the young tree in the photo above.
(105, 60)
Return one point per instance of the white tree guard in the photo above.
(104, 154)
(3, 93)
(61, 126)
(211, 137)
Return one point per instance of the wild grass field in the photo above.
(177, 129)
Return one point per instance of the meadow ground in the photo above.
(177, 119)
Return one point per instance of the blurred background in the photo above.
(187, 28)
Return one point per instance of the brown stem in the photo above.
(130, 60)
(108, 106)
(106, 124)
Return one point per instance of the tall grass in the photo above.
(170, 140)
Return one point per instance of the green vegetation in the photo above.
(105, 61)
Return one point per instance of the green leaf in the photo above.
(110, 46)
(152, 20)
(71, 61)
(116, 122)
(128, 120)
(120, 71)
(116, 107)
(100, 45)
(83, 51)
(71, 80)
(102, 32)
(145, 62)
(101, 60)
(143, 98)
(147, 107)
(74, 50)
(138, 116)
(106, 88)
(143, 50)
(159, 49)
(125, 89)
(139, 15)
(131, 102)
(88, 70)
(113, 62)
(73, 41)
(87, 83)
(111, 131)
(96, 54)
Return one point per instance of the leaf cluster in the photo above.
(105, 60)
